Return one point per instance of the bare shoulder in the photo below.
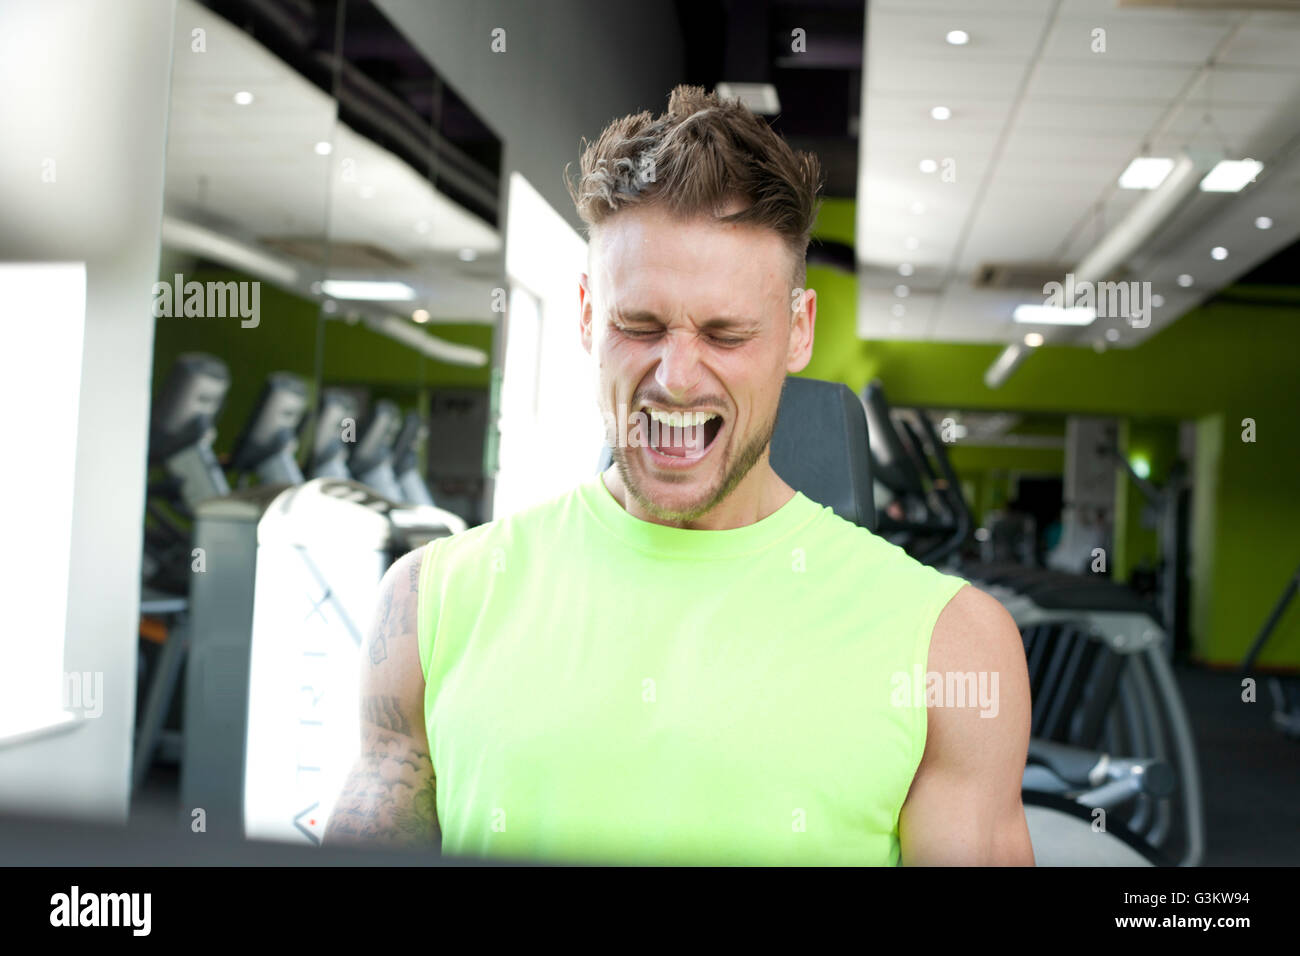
(974, 631)
(977, 645)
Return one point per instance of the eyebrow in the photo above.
(717, 322)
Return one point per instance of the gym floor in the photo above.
(1250, 775)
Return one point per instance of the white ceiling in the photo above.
(253, 173)
(1041, 128)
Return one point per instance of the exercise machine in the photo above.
(181, 433)
(278, 621)
(406, 460)
(268, 445)
(371, 457)
(335, 420)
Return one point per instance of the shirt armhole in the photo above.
(426, 609)
(944, 590)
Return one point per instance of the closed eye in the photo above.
(723, 340)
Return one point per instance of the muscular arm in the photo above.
(388, 797)
(964, 805)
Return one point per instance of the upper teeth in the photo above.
(680, 419)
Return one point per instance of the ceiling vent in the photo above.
(1019, 275)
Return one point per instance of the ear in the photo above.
(802, 326)
(585, 309)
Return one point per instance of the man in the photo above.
(684, 660)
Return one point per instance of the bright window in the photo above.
(550, 423)
(43, 311)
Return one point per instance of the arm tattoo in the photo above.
(412, 604)
(383, 712)
(389, 623)
(390, 797)
(379, 645)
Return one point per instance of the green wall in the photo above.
(1217, 365)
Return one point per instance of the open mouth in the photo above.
(685, 437)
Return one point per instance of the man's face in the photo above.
(690, 317)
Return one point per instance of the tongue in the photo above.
(680, 442)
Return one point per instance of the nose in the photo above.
(678, 372)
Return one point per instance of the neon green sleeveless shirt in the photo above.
(605, 689)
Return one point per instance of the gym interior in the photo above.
(289, 288)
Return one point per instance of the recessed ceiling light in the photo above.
(940, 113)
(1145, 172)
(1218, 253)
(1033, 339)
(1112, 335)
(928, 165)
(1185, 281)
(901, 291)
(1099, 346)
(323, 148)
(467, 254)
(1263, 222)
(918, 208)
(330, 306)
(243, 98)
(1157, 300)
(897, 310)
(958, 37)
(911, 242)
(905, 269)
(420, 315)
(1053, 315)
(365, 289)
(1231, 175)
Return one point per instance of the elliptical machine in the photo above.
(268, 445)
(329, 455)
(371, 459)
(405, 461)
(181, 432)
